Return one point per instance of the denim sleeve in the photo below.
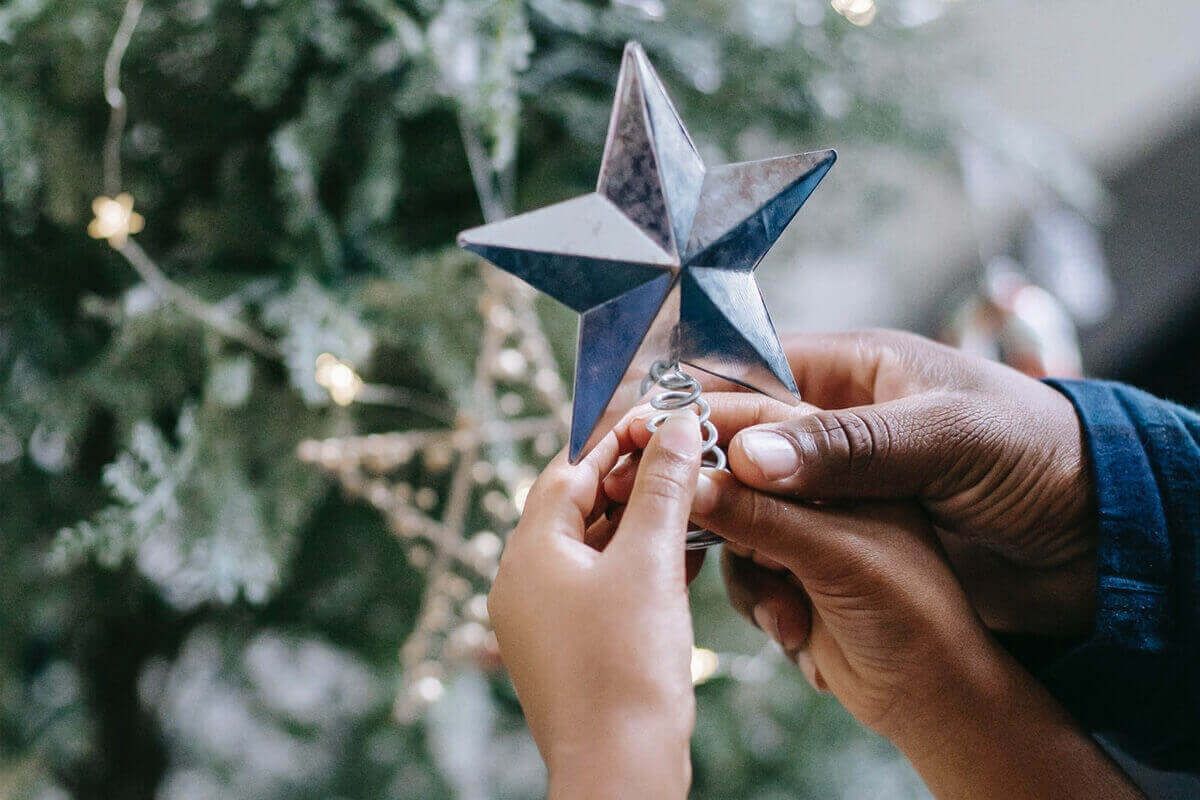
(1136, 679)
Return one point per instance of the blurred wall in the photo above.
(1117, 82)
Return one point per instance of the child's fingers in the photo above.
(600, 533)
(565, 495)
(618, 484)
(731, 411)
(656, 515)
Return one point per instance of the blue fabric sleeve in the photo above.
(1136, 679)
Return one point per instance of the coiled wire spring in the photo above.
(682, 391)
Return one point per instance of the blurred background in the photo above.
(263, 429)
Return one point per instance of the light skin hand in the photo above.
(598, 641)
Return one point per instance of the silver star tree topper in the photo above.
(659, 260)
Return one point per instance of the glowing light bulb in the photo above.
(428, 689)
(115, 219)
(859, 12)
(521, 493)
(338, 378)
(704, 665)
(487, 545)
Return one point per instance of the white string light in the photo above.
(859, 12)
(338, 378)
(115, 219)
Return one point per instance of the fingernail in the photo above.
(764, 617)
(621, 474)
(807, 668)
(774, 455)
(791, 632)
(638, 417)
(707, 494)
(680, 434)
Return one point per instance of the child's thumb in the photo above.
(656, 517)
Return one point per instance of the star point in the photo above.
(659, 260)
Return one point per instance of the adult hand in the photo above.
(994, 458)
(598, 641)
(881, 616)
(888, 629)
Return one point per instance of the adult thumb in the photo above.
(914, 446)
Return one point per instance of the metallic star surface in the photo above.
(659, 260)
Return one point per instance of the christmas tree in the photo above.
(263, 428)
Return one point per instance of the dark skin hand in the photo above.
(884, 625)
(866, 595)
(993, 457)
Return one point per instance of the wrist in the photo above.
(967, 676)
(995, 732)
(974, 684)
(628, 758)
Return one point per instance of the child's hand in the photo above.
(598, 643)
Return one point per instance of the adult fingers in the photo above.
(832, 371)
(767, 599)
(823, 545)
(655, 518)
(600, 532)
(777, 604)
(693, 562)
(731, 411)
(922, 445)
(839, 370)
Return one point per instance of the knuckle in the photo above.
(896, 341)
(881, 336)
(855, 439)
(760, 512)
(888, 343)
(666, 459)
(662, 485)
(555, 484)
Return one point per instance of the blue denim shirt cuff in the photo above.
(1133, 557)
(1136, 678)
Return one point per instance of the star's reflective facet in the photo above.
(659, 260)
